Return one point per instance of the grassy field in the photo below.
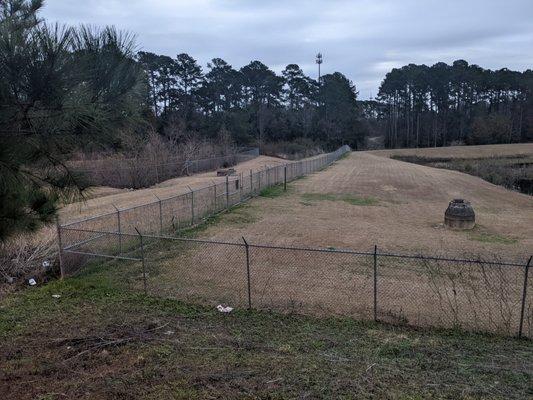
(482, 151)
(97, 336)
(100, 340)
(509, 165)
(365, 199)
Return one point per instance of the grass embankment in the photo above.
(100, 340)
(512, 172)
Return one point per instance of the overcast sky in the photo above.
(361, 38)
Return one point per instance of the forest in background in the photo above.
(417, 105)
(253, 104)
(461, 103)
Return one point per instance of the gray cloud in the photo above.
(361, 38)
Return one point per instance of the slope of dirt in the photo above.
(366, 199)
(101, 200)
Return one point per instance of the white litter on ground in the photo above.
(32, 282)
(56, 296)
(46, 264)
(223, 309)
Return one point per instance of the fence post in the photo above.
(524, 294)
(215, 195)
(240, 184)
(160, 214)
(119, 227)
(142, 261)
(247, 249)
(192, 205)
(285, 178)
(227, 192)
(60, 245)
(375, 283)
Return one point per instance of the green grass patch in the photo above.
(345, 155)
(347, 198)
(239, 215)
(195, 231)
(100, 339)
(487, 237)
(273, 191)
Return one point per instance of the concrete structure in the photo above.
(460, 215)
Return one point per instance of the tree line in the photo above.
(252, 104)
(461, 103)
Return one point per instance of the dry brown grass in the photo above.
(484, 151)
(332, 208)
(24, 254)
(410, 201)
(425, 293)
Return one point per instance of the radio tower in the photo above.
(319, 61)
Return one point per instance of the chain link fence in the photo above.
(185, 210)
(470, 294)
(474, 295)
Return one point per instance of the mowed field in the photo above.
(363, 200)
(360, 201)
(485, 151)
(368, 199)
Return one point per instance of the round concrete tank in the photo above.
(459, 215)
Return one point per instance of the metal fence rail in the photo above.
(475, 295)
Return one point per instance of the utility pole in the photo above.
(319, 61)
